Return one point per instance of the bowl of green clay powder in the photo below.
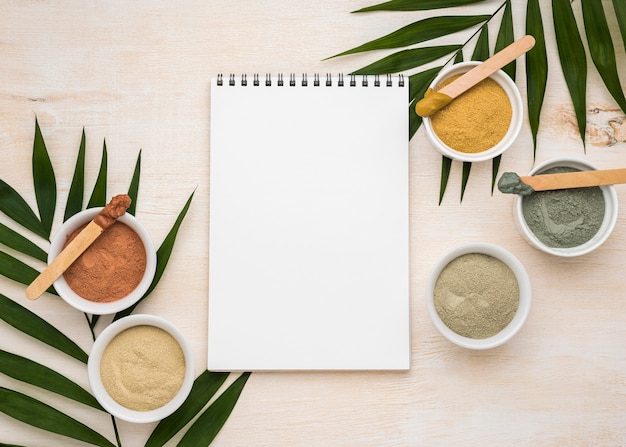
(478, 295)
(141, 368)
(566, 222)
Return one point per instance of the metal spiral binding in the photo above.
(280, 81)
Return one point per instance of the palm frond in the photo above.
(536, 68)
(416, 5)
(421, 31)
(573, 59)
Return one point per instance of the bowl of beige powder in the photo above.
(478, 295)
(141, 368)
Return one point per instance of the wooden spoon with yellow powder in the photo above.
(434, 101)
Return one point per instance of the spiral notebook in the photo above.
(308, 248)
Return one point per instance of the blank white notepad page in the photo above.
(308, 257)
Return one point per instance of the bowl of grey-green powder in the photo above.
(478, 295)
(566, 222)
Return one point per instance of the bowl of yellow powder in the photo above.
(141, 368)
(113, 273)
(478, 295)
(566, 222)
(481, 123)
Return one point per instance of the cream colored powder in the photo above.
(142, 368)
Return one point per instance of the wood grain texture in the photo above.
(137, 74)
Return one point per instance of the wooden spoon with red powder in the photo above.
(107, 217)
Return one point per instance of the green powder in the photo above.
(476, 295)
(564, 218)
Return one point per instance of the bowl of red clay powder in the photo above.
(113, 273)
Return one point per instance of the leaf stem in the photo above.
(476, 32)
(93, 336)
(117, 434)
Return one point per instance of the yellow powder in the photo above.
(476, 120)
(142, 368)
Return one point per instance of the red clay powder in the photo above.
(111, 267)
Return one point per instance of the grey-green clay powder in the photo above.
(564, 218)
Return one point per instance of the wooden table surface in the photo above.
(137, 74)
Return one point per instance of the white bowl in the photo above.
(95, 380)
(92, 307)
(517, 116)
(525, 296)
(608, 223)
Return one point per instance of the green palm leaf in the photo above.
(36, 413)
(44, 182)
(506, 37)
(573, 59)
(420, 31)
(208, 425)
(41, 376)
(620, 14)
(24, 320)
(418, 84)
(467, 169)
(446, 167)
(407, 59)
(76, 194)
(536, 68)
(481, 50)
(204, 387)
(15, 207)
(99, 193)
(16, 241)
(133, 189)
(16, 270)
(163, 255)
(446, 163)
(416, 5)
(601, 49)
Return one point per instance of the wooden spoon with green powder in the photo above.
(434, 101)
(511, 183)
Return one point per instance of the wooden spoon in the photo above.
(435, 101)
(523, 185)
(107, 217)
(578, 179)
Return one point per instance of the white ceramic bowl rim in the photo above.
(608, 223)
(516, 119)
(525, 295)
(95, 381)
(92, 307)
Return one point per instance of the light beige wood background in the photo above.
(137, 74)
